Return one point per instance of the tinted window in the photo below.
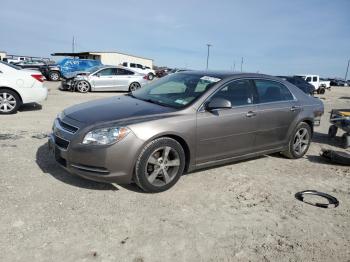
(139, 66)
(237, 92)
(308, 79)
(125, 64)
(270, 91)
(107, 72)
(121, 71)
(132, 65)
(314, 79)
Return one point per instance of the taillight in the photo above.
(38, 77)
(145, 77)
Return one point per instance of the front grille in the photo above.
(67, 127)
(62, 143)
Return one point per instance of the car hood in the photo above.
(118, 108)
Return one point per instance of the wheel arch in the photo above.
(13, 90)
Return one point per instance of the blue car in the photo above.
(67, 68)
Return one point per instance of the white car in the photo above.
(141, 69)
(19, 86)
(320, 85)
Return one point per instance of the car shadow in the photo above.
(48, 165)
(324, 139)
(30, 107)
(344, 97)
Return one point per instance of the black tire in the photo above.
(82, 86)
(332, 131)
(134, 86)
(321, 90)
(54, 76)
(346, 140)
(12, 100)
(150, 76)
(291, 152)
(143, 165)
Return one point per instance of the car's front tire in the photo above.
(9, 101)
(54, 76)
(299, 141)
(159, 165)
(83, 86)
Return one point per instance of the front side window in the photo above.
(125, 64)
(107, 72)
(270, 91)
(139, 66)
(308, 79)
(132, 65)
(314, 79)
(177, 90)
(237, 92)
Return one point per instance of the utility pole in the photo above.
(234, 66)
(209, 45)
(73, 45)
(242, 65)
(347, 69)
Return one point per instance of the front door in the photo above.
(230, 132)
(276, 111)
(105, 79)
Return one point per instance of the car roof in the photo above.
(226, 74)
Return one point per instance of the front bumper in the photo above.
(110, 164)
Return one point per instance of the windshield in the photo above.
(10, 65)
(177, 90)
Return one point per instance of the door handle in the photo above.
(294, 108)
(250, 114)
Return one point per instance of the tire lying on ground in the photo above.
(336, 157)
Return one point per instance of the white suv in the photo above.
(141, 69)
(19, 86)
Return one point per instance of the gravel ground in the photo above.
(240, 212)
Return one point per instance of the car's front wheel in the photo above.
(9, 102)
(54, 75)
(83, 86)
(160, 165)
(299, 142)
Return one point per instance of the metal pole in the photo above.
(73, 44)
(242, 65)
(234, 66)
(209, 45)
(347, 69)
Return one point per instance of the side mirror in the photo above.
(218, 103)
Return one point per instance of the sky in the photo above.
(279, 37)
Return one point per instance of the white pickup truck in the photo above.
(141, 69)
(320, 85)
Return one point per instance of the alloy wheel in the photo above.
(301, 141)
(54, 76)
(83, 86)
(162, 166)
(7, 102)
(134, 86)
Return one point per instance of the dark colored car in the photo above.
(32, 64)
(300, 83)
(182, 122)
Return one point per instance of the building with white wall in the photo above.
(2, 55)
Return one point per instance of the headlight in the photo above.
(105, 136)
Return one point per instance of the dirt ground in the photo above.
(240, 212)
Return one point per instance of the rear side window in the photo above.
(314, 79)
(124, 72)
(270, 91)
(132, 65)
(308, 79)
(237, 92)
(125, 64)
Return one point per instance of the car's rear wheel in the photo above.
(134, 86)
(9, 102)
(83, 86)
(299, 142)
(54, 75)
(150, 76)
(160, 165)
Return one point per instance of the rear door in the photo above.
(226, 133)
(123, 79)
(276, 110)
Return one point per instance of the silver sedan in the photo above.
(107, 78)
